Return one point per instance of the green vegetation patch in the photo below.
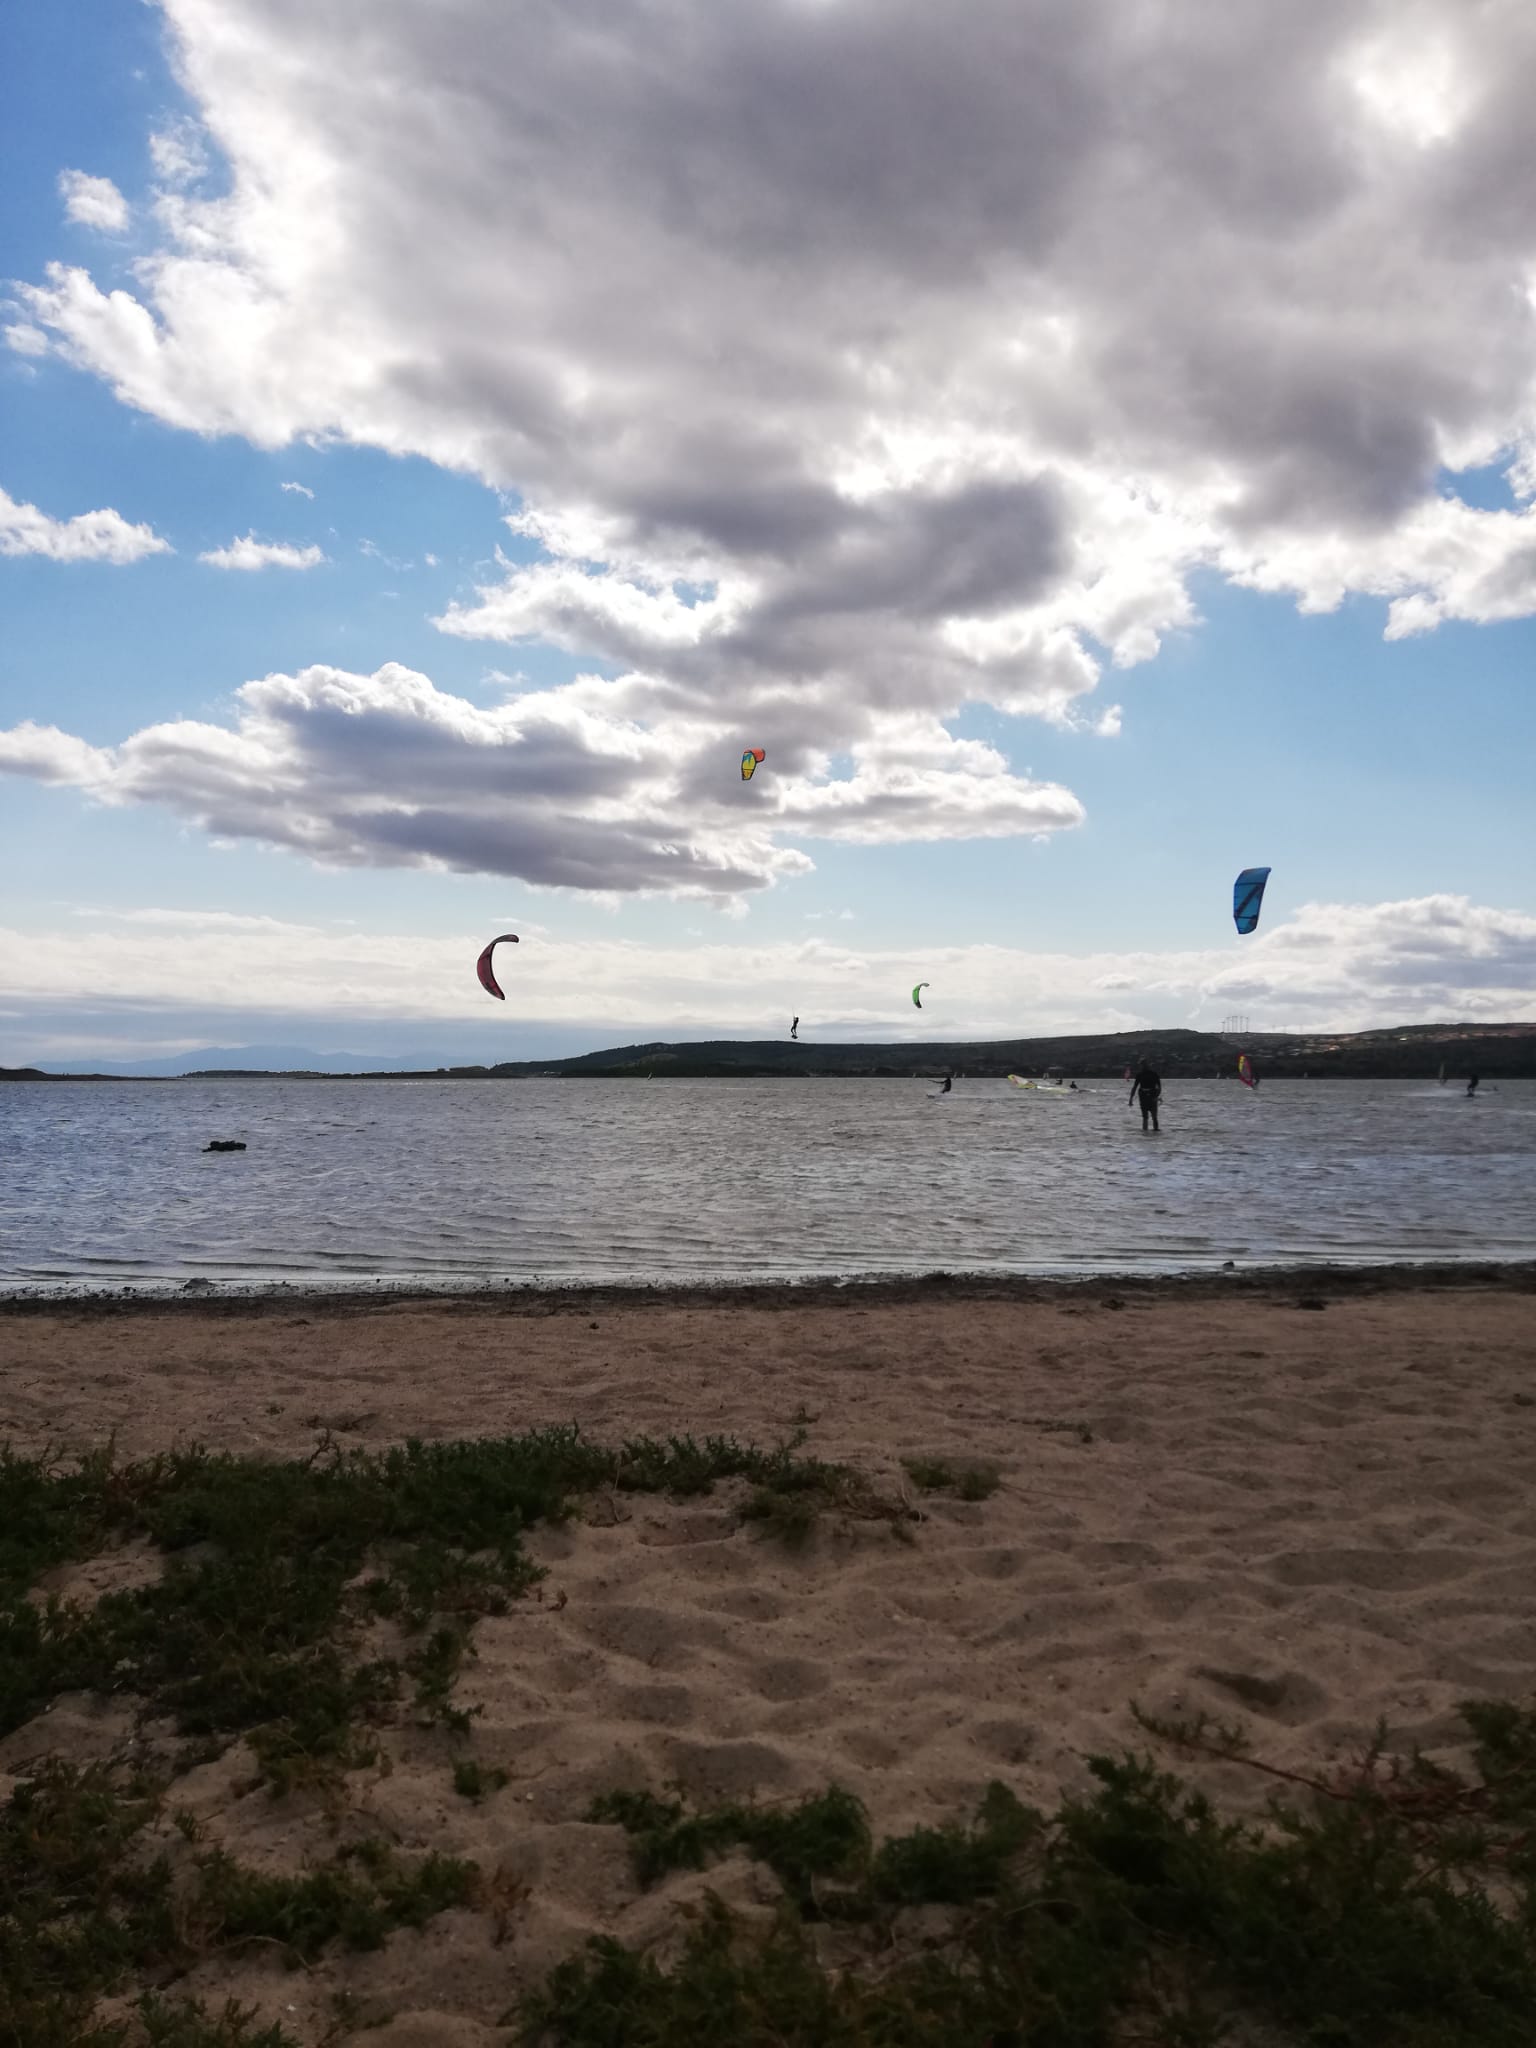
(272, 1566)
(187, 2023)
(966, 1480)
(273, 1570)
(1396, 1908)
(86, 1906)
(477, 1781)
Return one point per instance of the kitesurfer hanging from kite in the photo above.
(486, 972)
(794, 1029)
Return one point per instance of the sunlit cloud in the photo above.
(101, 536)
(248, 553)
(93, 202)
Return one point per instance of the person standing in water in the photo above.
(1148, 1085)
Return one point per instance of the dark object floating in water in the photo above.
(225, 1145)
(1311, 1301)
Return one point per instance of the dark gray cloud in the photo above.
(558, 788)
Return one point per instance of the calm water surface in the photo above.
(106, 1185)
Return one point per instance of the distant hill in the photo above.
(1491, 1050)
(242, 1059)
(1408, 1050)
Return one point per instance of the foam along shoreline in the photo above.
(537, 1295)
(1301, 1503)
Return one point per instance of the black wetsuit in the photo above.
(1149, 1087)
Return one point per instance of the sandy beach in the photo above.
(1301, 1505)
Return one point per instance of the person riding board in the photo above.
(1148, 1085)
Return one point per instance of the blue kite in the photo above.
(1247, 895)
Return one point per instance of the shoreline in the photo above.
(816, 1291)
(868, 1290)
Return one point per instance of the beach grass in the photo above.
(967, 1481)
(258, 1591)
(1396, 1908)
(255, 1624)
(86, 1902)
(302, 1605)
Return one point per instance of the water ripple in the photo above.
(107, 1183)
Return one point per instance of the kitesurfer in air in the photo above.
(1148, 1085)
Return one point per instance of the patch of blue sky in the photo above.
(1486, 488)
(1362, 769)
(110, 87)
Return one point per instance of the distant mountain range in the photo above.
(266, 1059)
(1490, 1050)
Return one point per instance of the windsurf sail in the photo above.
(1248, 897)
(1245, 1072)
(1442, 1073)
(485, 970)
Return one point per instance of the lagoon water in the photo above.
(105, 1185)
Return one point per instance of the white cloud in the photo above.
(1342, 966)
(302, 490)
(44, 754)
(1444, 560)
(178, 153)
(249, 553)
(102, 536)
(93, 202)
(847, 371)
(375, 553)
(566, 788)
(25, 340)
(1425, 958)
(848, 366)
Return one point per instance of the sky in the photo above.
(1089, 453)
